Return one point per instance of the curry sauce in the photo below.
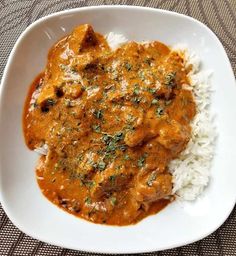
(111, 121)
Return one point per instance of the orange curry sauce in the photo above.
(112, 121)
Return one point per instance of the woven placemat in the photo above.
(16, 15)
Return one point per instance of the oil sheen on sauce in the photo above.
(112, 121)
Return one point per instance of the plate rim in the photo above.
(2, 88)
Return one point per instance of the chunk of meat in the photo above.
(148, 130)
(133, 138)
(110, 180)
(72, 91)
(163, 90)
(82, 38)
(183, 107)
(152, 187)
(48, 92)
(173, 136)
(86, 167)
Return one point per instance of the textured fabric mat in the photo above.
(16, 15)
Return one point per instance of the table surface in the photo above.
(15, 16)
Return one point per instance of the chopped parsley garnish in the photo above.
(154, 101)
(101, 166)
(69, 103)
(142, 160)
(88, 200)
(128, 66)
(96, 128)
(111, 146)
(118, 136)
(152, 90)
(89, 183)
(80, 157)
(141, 75)
(56, 166)
(130, 118)
(136, 89)
(111, 142)
(74, 70)
(136, 100)
(151, 179)
(170, 79)
(126, 157)
(112, 178)
(168, 102)
(159, 111)
(113, 200)
(106, 138)
(98, 114)
(63, 67)
(148, 61)
(123, 147)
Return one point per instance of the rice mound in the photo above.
(191, 170)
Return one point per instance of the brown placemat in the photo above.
(16, 15)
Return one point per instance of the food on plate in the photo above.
(111, 120)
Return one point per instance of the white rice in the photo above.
(43, 150)
(34, 97)
(115, 40)
(191, 171)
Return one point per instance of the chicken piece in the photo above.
(183, 107)
(157, 157)
(72, 91)
(156, 49)
(173, 136)
(82, 38)
(134, 137)
(147, 131)
(131, 50)
(152, 186)
(163, 90)
(47, 93)
(87, 166)
(110, 180)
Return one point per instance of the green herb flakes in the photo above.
(113, 200)
(128, 66)
(112, 178)
(148, 61)
(142, 160)
(118, 136)
(101, 166)
(154, 102)
(98, 114)
(152, 90)
(96, 128)
(159, 111)
(170, 79)
(88, 200)
(151, 179)
(89, 183)
(136, 100)
(141, 75)
(126, 157)
(168, 102)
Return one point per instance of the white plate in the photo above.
(177, 224)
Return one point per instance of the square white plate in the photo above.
(177, 224)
